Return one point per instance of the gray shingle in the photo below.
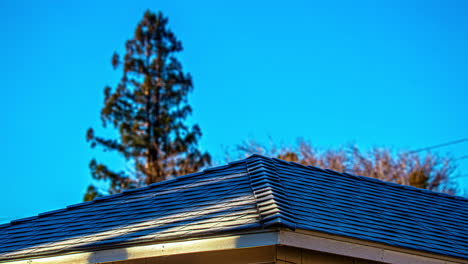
(255, 193)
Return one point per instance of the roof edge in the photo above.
(356, 248)
(201, 244)
(364, 178)
(126, 192)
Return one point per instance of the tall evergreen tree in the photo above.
(149, 108)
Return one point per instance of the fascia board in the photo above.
(300, 239)
(157, 250)
(360, 249)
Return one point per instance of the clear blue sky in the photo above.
(391, 73)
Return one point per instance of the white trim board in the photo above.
(161, 249)
(301, 239)
(360, 249)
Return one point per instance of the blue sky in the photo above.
(387, 73)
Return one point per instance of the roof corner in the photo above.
(272, 202)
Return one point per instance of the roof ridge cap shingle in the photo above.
(272, 204)
(367, 179)
(107, 197)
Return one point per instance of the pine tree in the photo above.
(148, 108)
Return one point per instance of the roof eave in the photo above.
(283, 237)
(226, 242)
(362, 249)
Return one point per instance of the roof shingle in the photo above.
(255, 193)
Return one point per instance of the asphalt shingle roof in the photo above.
(254, 193)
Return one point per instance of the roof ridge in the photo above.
(366, 178)
(272, 201)
(265, 183)
(107, 197)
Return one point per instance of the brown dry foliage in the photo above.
(429, 171)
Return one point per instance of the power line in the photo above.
(439, 145)
(462, 157)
